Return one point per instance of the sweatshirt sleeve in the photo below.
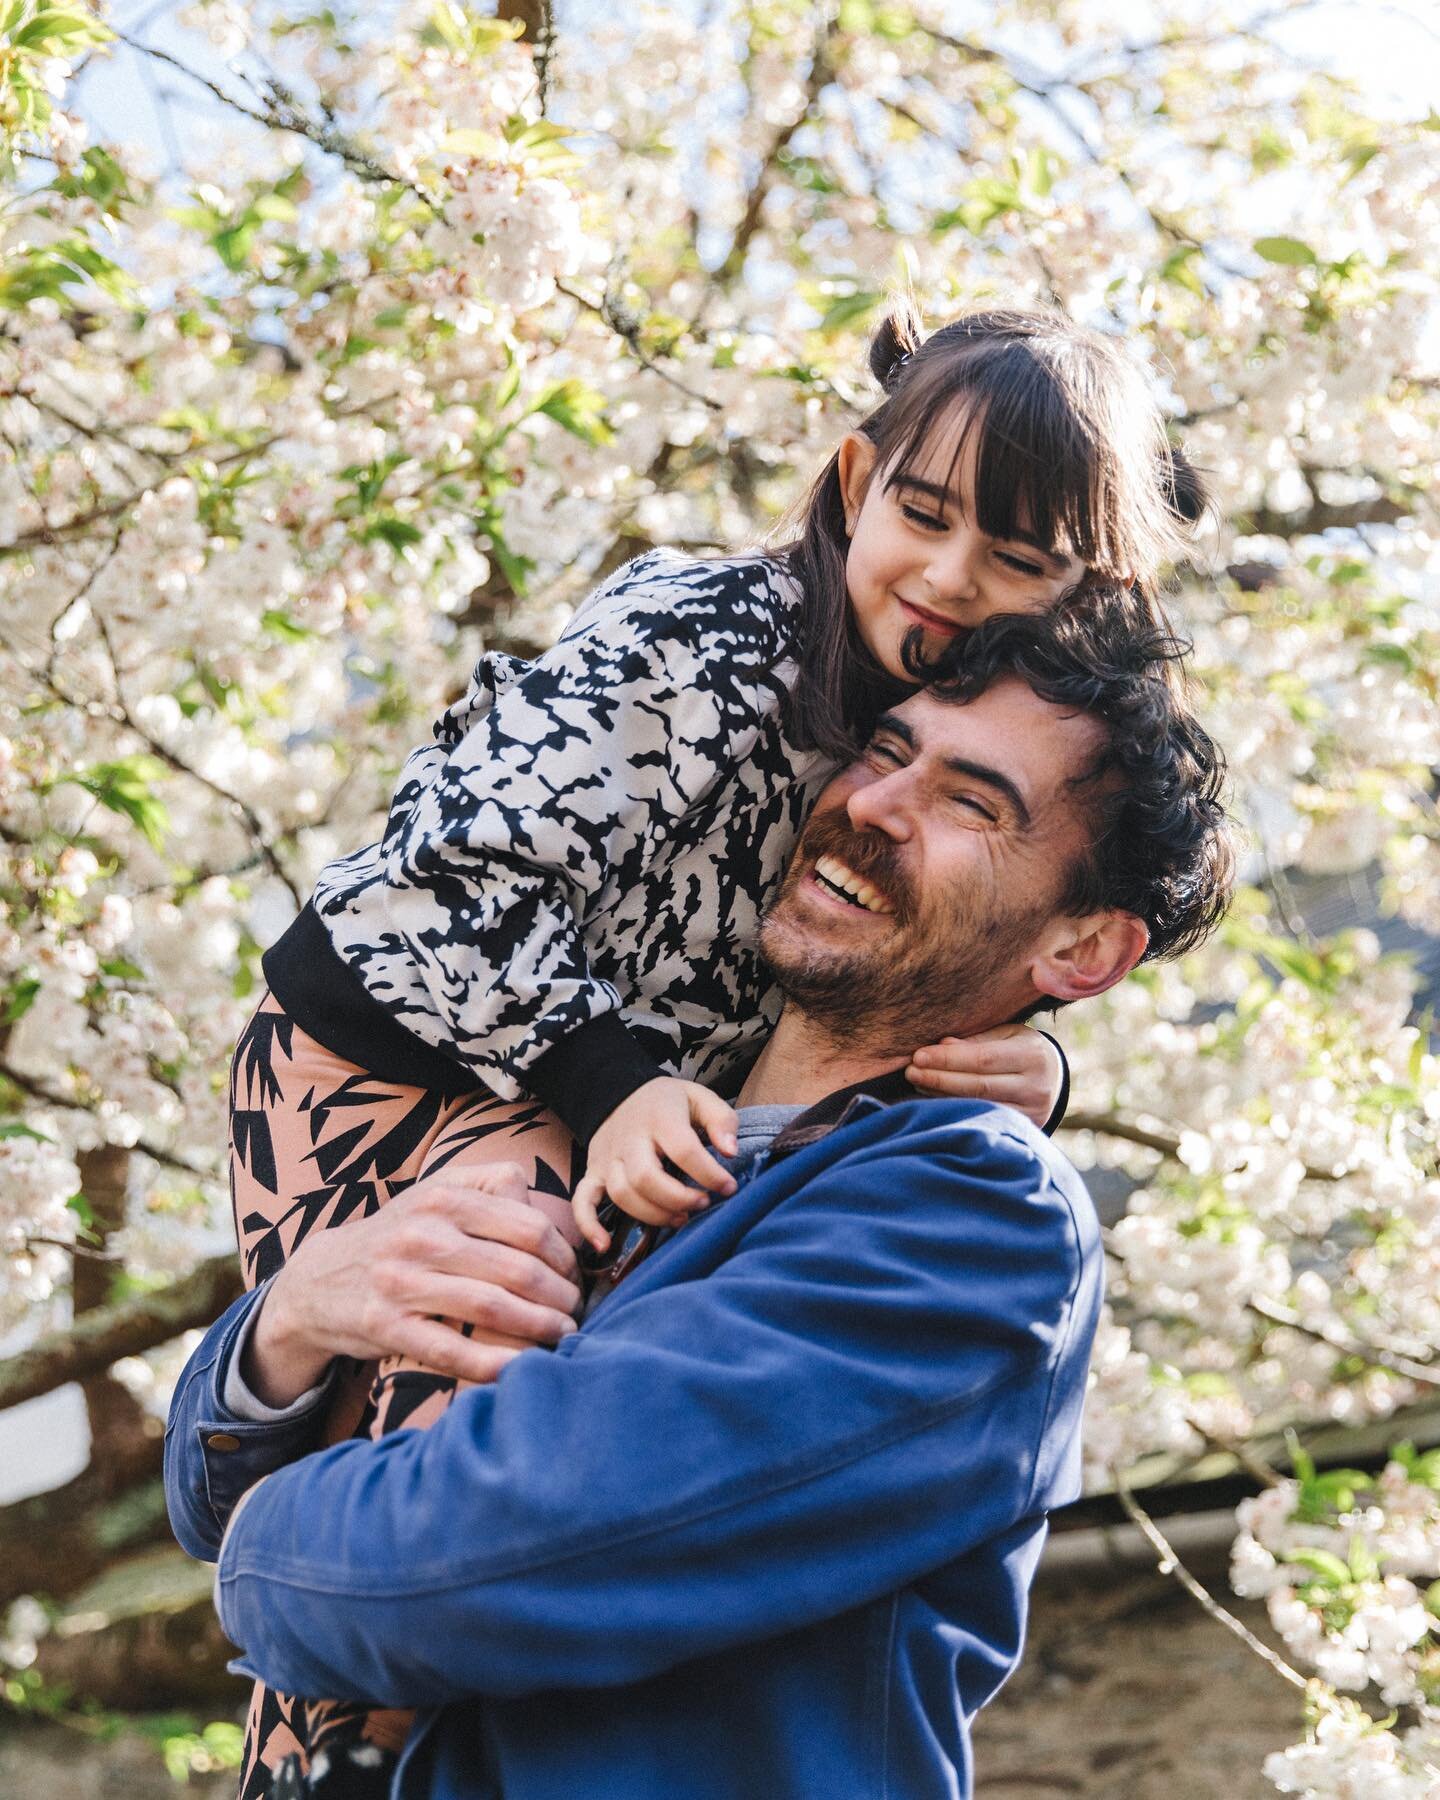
(885, 1372)
(573, 773)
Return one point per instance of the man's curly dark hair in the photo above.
(1162, 846)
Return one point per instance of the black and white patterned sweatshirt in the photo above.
(567, 897)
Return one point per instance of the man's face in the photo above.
(930, 868)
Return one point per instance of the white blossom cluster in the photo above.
(1348, 1574)
(326, 416)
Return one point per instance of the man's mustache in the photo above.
(870, 854)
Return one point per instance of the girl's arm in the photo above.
(575, 774)
(1013, 1065)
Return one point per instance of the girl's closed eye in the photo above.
(928, 520)
(1019, 564)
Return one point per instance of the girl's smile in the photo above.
(918, 556)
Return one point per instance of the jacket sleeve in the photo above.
(213, 1453)
(859, 1394)
(572, 774)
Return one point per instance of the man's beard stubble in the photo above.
(922, 983)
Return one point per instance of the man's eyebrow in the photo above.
(962, 765)
(934, 491)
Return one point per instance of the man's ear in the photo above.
(1079, 958)
(856, 463)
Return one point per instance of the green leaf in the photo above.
(577, 407)
(283, 626)
(399, 534)
(55, 28)
(849, 307)
(1323, 1564)
(1287, 250)
(269, 207)
(469, 140)
(514, 568)
(17, 1130)
(120, 968)
(1177, 270)
(21, 998)
(126, 787)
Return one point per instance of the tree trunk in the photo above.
(538, 18)
(116, 1417)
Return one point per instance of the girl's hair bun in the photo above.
(1184, 487)
(900, 335)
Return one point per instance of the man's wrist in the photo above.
(277, 1363)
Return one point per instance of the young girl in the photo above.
(554, 943)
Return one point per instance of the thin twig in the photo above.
(48, 1096)
(1381, 1356)
(1170, 1564)
(1164, 1143)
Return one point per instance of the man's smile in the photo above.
(839, 879)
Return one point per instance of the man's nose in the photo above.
(954, 566)
(885, 803)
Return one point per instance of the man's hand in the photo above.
(463, 1243)
(659, 1123)
(1011, 1064)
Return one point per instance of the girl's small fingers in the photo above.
(583, 1203)
(1003, 1090)
(959, 1084)
(718, 1118)
(967, 1054)
(689, 1155)
(655, 1198)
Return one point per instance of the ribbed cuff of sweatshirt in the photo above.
(584, 1077)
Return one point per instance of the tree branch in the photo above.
(1381, 1355)
(48, 1096)
(91, 1343)
(1170, 1564)
(815, 81)
(1111, 1125)
(283, 112)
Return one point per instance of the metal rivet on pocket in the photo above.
(222, 1440)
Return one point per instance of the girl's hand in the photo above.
(660, 1119)
(1012, 1065)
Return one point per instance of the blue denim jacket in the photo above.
(764, 1526)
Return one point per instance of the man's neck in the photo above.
(801, 1064)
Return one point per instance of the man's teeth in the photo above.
(830, 869)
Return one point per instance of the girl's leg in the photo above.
(475, 1132)
(316, 1141)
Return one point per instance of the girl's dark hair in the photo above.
(1070, 449)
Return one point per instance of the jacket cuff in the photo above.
(240, 1399)
(584, 1077)
(1062, 1099)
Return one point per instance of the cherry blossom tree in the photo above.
(468, 310)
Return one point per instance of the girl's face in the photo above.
(918, 556)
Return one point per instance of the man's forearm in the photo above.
(278, 1363)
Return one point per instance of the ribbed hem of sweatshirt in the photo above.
(582, 1079)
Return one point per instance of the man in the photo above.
(766, 1524)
